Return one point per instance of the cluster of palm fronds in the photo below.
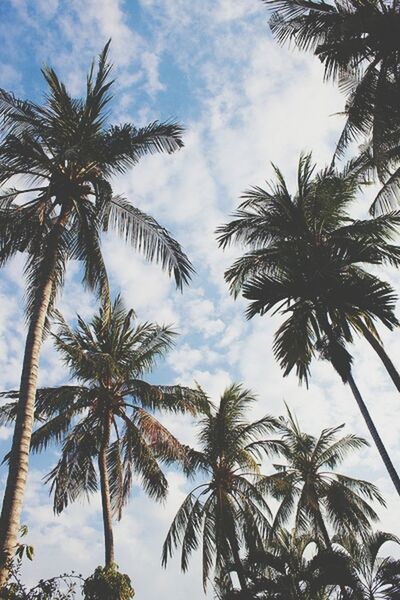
(305, 259)
(237, 516)
(62, 156)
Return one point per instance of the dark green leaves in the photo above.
(306, 259)
(228, 511)
(67, 152)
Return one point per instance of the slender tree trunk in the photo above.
(105, 494)
(347, 377)
(328, 544)
(374, 433)
(19, 455)
(238, 565)
(379, 349)
(323, 530)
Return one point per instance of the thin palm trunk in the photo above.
(379, 349)
(322, 528)
(105, 494)
(19, 454)
(348, 378)
(238, 564)
(374, 433)
(327, 541)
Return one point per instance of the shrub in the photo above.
(107, 583)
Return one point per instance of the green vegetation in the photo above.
(108, 584)
(227, 512)
(304, 261)
(68, 153)
(270, 515)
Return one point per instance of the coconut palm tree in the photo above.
(108, 415)
(64, 154)
(359, 45)
(306, 260)
(226, 512)
(307, 485)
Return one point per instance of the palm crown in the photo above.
(307, 485)
(109, 356)
(227, 510)
(281, 570)
(109, 413)
(66, 153)
(306, 259)
(376, 577)
(359, 44)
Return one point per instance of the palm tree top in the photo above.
(227, 510)
(343, 34)
(359, 45)
(227, 437)
(109, 348)
(319, 206)
(66, 152)
(108, 358)
(306, 474)
(376, 576)
(306, 258)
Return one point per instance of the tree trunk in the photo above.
(328, 544)
(19, 454)
(238, 565)
(379, 349)
(105, 494)
(374, 434)
(322, 527)
(347, 377)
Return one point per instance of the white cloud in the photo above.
(248, 102)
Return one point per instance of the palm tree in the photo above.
(108, 416)
(226, 512)
(358, 43)
(376, 577)
(304, 261)
(282, 570)
(307, 485)
(67, 153)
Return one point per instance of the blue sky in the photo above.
(244, 102)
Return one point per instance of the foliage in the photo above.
(280, 570)
(358, 43)
(376, 577)
(66, 152)
(227, 512)
(62, 587)
(107, 583)
(108, 358)
(24, 549)
(306, 259)
(308, 487)
(293, 566)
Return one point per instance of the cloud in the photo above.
(244, 102)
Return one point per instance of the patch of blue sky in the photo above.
(212, 66)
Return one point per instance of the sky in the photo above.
(245, 102)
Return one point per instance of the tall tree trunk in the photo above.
(327, 541)
(374, 433)
(322, 527)
(19, 454)
(347, 377)
(379, 349)
(105, 494)
(238, 564)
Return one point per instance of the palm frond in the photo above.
(148, 237)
